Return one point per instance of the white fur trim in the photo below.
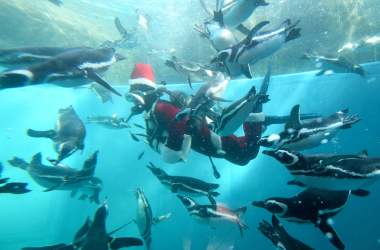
(143, 81)
(171, 156)
(256, 117)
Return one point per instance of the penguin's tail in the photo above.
(293, 34)
(15, 78)
(18, 163)
(46, 134)
(242, 226)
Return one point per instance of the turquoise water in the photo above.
(40, 218)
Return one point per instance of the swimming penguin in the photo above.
(68, 69)
(258, 45)
(12, 187)
(193, 71)
(110, 122)
(63, 177)
(92, 235)
(280, 238)
(335, 65)
(186, 186)
(330, 171)
(215, 30)
(236, 114)
(314, 206)
(68, 135)
(309, 133)
(145, 219)
(215, 213)
(21, 57)
(102, 93)
(127, 40)
(238, 11)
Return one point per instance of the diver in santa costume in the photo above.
(173, 137)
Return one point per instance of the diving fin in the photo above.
(360, 192)
(242, 29)
(90, 74)
(294, 121)
(117, 243)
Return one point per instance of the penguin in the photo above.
(92, 235)
(110, 122)
(12, 187)
(127, 40)
(68, 135)
(67, 69)
(309, 133)
(215, 30)
(145, 219)
(330, 171)
(237, 12)
(335, 65)
(21, 57)
(187, 186)
(313, 206)
(63, 177)
(258, 45)
(236, 114)
(214, 213)
(280, 238)
(193, 71)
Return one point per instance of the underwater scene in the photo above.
(189, 125)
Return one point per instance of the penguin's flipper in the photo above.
(293, 34)
(322, 72)
(242, 29)
(91, 74)
(15, 78)
(254, 31)
(294, 121)
(123, 32)
(117, 243)
(330, 233)
(360, 192)
(296, 183)
(38, 134)
(52, 247)
(83, 230)
(246, 70)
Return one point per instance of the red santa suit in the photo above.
(173, 138)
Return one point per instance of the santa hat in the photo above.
(142, 77)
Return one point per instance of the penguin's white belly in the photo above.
(331, 183)
(262, 50)
(239, 13)
(312, 140)
(222, 39)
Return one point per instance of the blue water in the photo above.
(39, 218)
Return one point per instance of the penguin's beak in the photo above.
(260, 204)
